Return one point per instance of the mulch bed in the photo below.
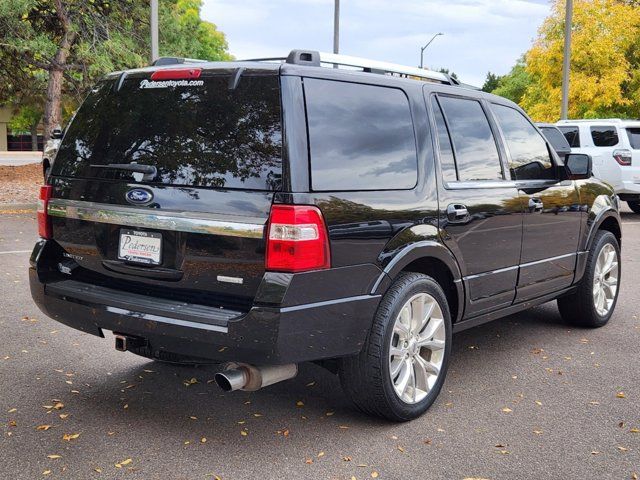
(20, 184)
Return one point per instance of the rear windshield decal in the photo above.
(170, 83)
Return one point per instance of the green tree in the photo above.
(73, 42)
(491, 82)
(514, 85)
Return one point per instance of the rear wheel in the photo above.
(634, 206)
(592, 304)
(402, 366)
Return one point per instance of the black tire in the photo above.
(365, 377)
(634, 206)
(578, 308)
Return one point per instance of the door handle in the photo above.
(535, 205)
(457, 212)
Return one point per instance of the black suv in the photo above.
(268, 213)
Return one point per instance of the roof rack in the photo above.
(316, 59)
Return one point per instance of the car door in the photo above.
(551, 222)
(480, 213)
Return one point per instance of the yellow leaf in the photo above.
(243, 433)
(507, 410)
(53, 457)
(299, 403)
(620, 395)
(46, 472)
(321, 454)
(13, 410)
(58, 406)
(203, 440)
(43, 427)
(635, 430)
(70, 436)
(99, 470)
(123, 463)
(374, 474)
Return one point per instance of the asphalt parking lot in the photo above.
(526, 397)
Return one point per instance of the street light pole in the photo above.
(566, 61)
(422, 49)
(154, 30)
(336, 27)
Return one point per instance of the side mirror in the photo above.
(578, 166)
(57, 133)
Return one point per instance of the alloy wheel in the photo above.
(417, 348)
(605, 279)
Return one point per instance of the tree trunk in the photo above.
(52, 107)
(34, 137)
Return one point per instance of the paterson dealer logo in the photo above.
(170, 83)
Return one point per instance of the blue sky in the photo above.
(479, 35)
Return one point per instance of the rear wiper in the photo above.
(149, 171)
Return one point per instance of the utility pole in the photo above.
(336, 27)
(422, 49)
(566, 61)
(154, 30)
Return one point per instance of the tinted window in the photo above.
(360, 137)
(604, 136)
(572, 134)
(202, 134)
(556, 139)
(447, 162)
(634, 137)
(528, 150)
(474, 146)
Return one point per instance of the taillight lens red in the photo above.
(44, 222)
(297, 239)
(176, 74)
(623, 157)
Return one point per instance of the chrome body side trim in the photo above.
(192, 222)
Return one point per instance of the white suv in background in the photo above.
(614, 146)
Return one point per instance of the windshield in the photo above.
(556, 138)
(195, 133)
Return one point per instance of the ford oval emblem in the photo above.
(139, 196)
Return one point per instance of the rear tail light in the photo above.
(44, 221)
(297, 239)
(177, 74)
(623, 157)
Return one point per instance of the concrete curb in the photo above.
(12, 207)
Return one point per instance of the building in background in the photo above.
(15, 141)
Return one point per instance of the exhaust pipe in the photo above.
(241, 376)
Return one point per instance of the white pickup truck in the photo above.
(614, 146)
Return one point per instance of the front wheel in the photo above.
(592, 304)
(634, 206)
(402, 366)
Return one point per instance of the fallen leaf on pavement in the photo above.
(507, 410)
(53, 457)
(70, 436)
(43, 427)
(123, 463)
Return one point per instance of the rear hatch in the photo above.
(162, 185)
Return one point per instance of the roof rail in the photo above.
(314, 58)
(175, 60)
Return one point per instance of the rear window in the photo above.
(204, 135)
(604, 136)
(634, 137)
(360, 137)
(572, 134)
